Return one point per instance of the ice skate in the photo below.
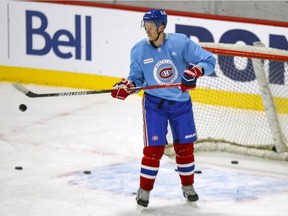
(142, 197)
(189, 193)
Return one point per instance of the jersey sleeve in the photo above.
(136, 73)
(195, 54)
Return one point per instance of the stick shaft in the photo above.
(31, 94)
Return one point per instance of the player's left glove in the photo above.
(121, 89)
(189, 78)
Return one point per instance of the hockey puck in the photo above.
(18, 167)
(198, 171)
(22, 107)
(234, 162)
(87, 172)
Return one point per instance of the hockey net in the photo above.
(243, 106)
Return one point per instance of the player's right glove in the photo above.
(189, 78)
(121, 89)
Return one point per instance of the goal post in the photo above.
(243, 106)
(268, 102)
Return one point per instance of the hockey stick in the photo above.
(31, 94)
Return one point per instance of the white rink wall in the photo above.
(47, 36)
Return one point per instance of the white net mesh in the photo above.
(228, 106)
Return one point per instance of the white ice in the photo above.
(58, 138)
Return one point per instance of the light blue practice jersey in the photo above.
(166, 64)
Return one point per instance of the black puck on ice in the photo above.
(234, 162)
(18, 167)
(87, 172)
(23, 107)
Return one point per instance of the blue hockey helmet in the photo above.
(157, 16)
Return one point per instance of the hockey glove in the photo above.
(189, 78)
(121, 89)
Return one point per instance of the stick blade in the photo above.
(23, 89)
(20, 88)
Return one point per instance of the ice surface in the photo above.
(58, 138)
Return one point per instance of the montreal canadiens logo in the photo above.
(165, 72)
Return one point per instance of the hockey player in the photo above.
(160, 59)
